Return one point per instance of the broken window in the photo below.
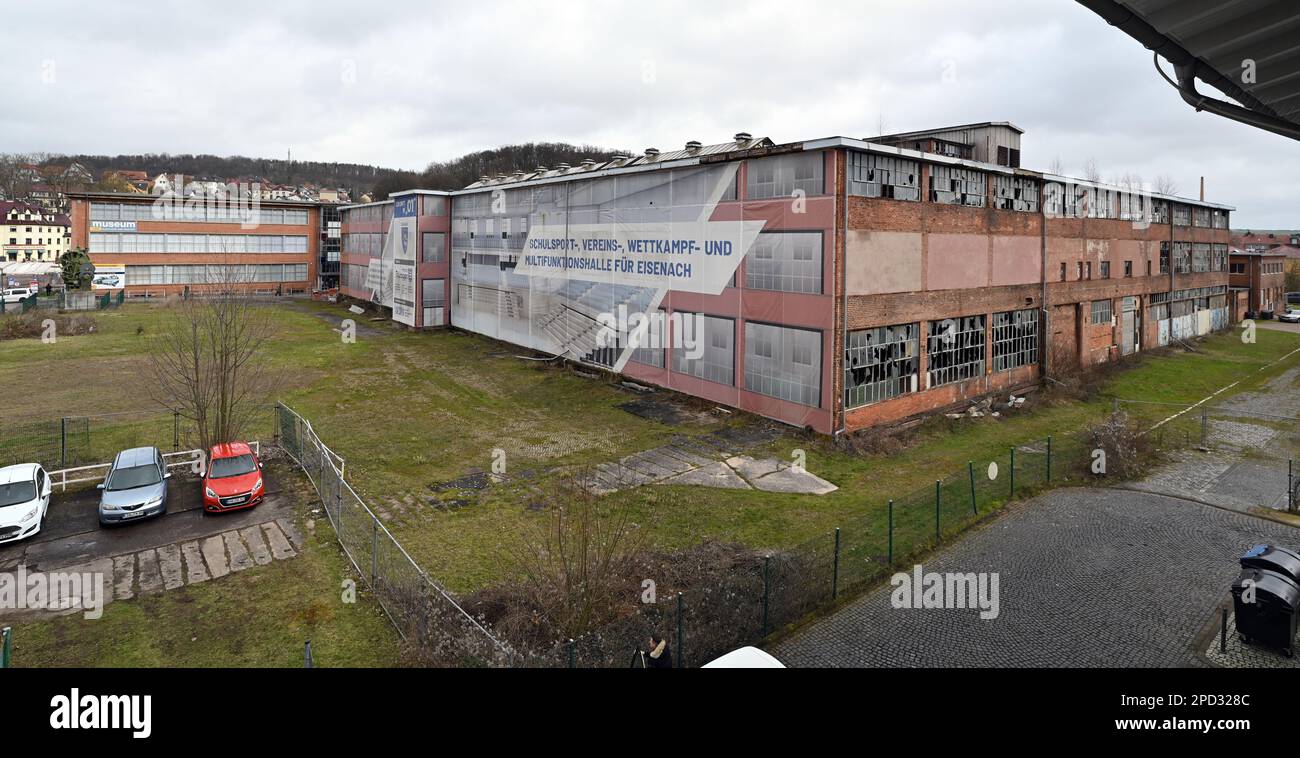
(1101, 312)
(881, 363)
(1183, 257)
(1219, 259)
(1201, 257)
(1201, 216)
(1015, 193)
(1105, 269)
(1164, 257)
(1160, 211)
(1015, 339)
(1220, 219)
(952, 185)
(872, 175)
(1182, 215)
(955, 350)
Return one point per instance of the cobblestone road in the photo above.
(1087, 577)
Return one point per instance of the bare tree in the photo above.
(1165, 185)
(209, 360)
(15, 177)
(1090, 170)
(1056, 167)
(575, 568)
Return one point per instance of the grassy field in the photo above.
(410, 410)
(259, 617)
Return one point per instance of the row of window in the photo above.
(213, 213)
(872, 175)
(371, 244)
(197, 243)
(781, 362)
(205, 274)
(884, 362)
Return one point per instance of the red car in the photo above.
(233, 480)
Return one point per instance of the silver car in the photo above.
(135, 488)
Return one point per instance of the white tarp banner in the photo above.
(402, 238)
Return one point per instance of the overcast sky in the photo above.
(400, 84)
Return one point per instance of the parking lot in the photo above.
(72, 536)
(1087, 578)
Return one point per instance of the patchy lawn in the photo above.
(411, 410)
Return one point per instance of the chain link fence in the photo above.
(435, 628)
(754, 594)
(1259, 435)
(737, 596)
(84, 440)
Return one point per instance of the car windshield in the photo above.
(135, 476)
(17, 493)
(234, 466)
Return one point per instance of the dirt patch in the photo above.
(665, 411)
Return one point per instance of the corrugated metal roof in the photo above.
(1224, 35)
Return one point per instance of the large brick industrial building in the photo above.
(834, 283)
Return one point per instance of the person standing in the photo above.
(659, 656)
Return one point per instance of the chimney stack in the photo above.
(1202, 189)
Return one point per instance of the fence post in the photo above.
(835, 571)
(6, 647)
(973, 508)
(1290, 485)
(1204, 428)
(176, 431)
(891, 532)
(63, 442)
(572, 654)
(936, 510)
(681, 645)
(1013, 472)
(306, 655)
(1049, 459)
(767, 560)
(1223, 631)
(374, 553)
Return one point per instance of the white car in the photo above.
(15, 296)
(745, 658)
(1291, 316)
(24, 501)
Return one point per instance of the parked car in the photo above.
(17, 295)
(745, 658)
(233, 480)
(135, 488)
(1292, 316)
(24, 501)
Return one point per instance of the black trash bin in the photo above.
(1272, 558)
(1269, 620)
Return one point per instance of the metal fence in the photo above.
(424, 613)
(82, 440)
(751, 593)
(760, 592)
(65, 301)
(1255, 432)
